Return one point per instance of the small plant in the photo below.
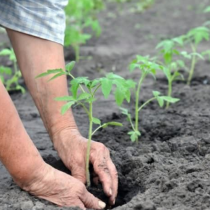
(83, 92)
(170, 66)
(147, 67)
(79, 16)
(194, 37)
(9, 77)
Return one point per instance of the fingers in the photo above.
(102, 170)
(114, 176)
(106, 171)
(91, 201)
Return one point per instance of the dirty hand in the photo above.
(59, 188)
(72, 147)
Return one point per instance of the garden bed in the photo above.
(170, 166)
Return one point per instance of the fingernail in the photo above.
(101, 204)
(110, 191)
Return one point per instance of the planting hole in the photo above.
(128, 185)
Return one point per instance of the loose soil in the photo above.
(170, 167)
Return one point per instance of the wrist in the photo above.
(64, 135)
(29, 172)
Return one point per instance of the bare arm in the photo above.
(36, 56)
(15, 144)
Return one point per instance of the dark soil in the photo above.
(170, 167)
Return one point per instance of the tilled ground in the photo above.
(170, 167)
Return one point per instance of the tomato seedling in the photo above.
(83, 92)
(170, 66)
(194, 37)
(147, 67)
(81, 15)
(11, 78)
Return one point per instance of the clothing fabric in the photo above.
(41, 18)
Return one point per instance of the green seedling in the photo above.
(168, 49)
(194, 37)
(172, 74)
(83, 92)
(147, 67)
(170, 66)
(81, 15)
(9, 77)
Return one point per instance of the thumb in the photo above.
(79, 173)
(92, 202)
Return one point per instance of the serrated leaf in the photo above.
(106, 86)
(156, 93)
(57, 75)
(83, 96)
(48, 72)
(134, 135)
(70, 66)
(96, 121)
(65, 98)
(119, 97)
(67, 106)
(170, 99)
(113, 76)
(134, 66)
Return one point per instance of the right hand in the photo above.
(61, 189)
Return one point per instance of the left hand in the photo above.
(72, 147)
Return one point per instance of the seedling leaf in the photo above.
(48, 72)
(84, 96)
(70, 66)
(106, 86)
(66, 107)
(65, 98)
(5, 52)
(57, 75)
(112, 124)
(96, 120)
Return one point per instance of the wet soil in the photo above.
(169, 169)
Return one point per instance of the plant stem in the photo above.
(89, 143)
(79, 85)
(169, 93)
(144, 104)
(77, 53)
(192, 65)
(137, 102)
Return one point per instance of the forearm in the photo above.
(17, 152)
(36, 56)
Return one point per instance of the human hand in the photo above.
(61, 189)
(72, 147)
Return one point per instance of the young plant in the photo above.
(81, 15)
(194, 37)
(170, 66)
(9, 77)
(146, 67)
(83, 92)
